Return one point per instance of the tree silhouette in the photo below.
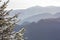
(7, 24)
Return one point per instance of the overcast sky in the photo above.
(23, 4)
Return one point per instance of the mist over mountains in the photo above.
(37, 10)
(41, 23)
(34, 14)
(45, 29)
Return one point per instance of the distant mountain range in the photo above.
(41, 23)
(35, 12)
(38, 17)
(47, 29)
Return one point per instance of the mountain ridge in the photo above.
(37, 10)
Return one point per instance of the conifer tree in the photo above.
(7, 24)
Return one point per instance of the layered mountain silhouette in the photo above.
(37, 10)
(48, 29)
(41, 23)
(45, 29)
(34, 14)
(38, 17)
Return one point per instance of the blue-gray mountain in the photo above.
(48, 29)
(45, 29)
(41, 23)
(31, 14)
(37, 10)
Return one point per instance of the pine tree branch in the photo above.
(4, 6)
(7, 13)
(7, 24)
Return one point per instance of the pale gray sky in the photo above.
(23, 4)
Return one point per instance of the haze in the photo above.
(23, 4)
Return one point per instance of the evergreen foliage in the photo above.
(7, 25)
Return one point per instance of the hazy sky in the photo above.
(23, 4)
